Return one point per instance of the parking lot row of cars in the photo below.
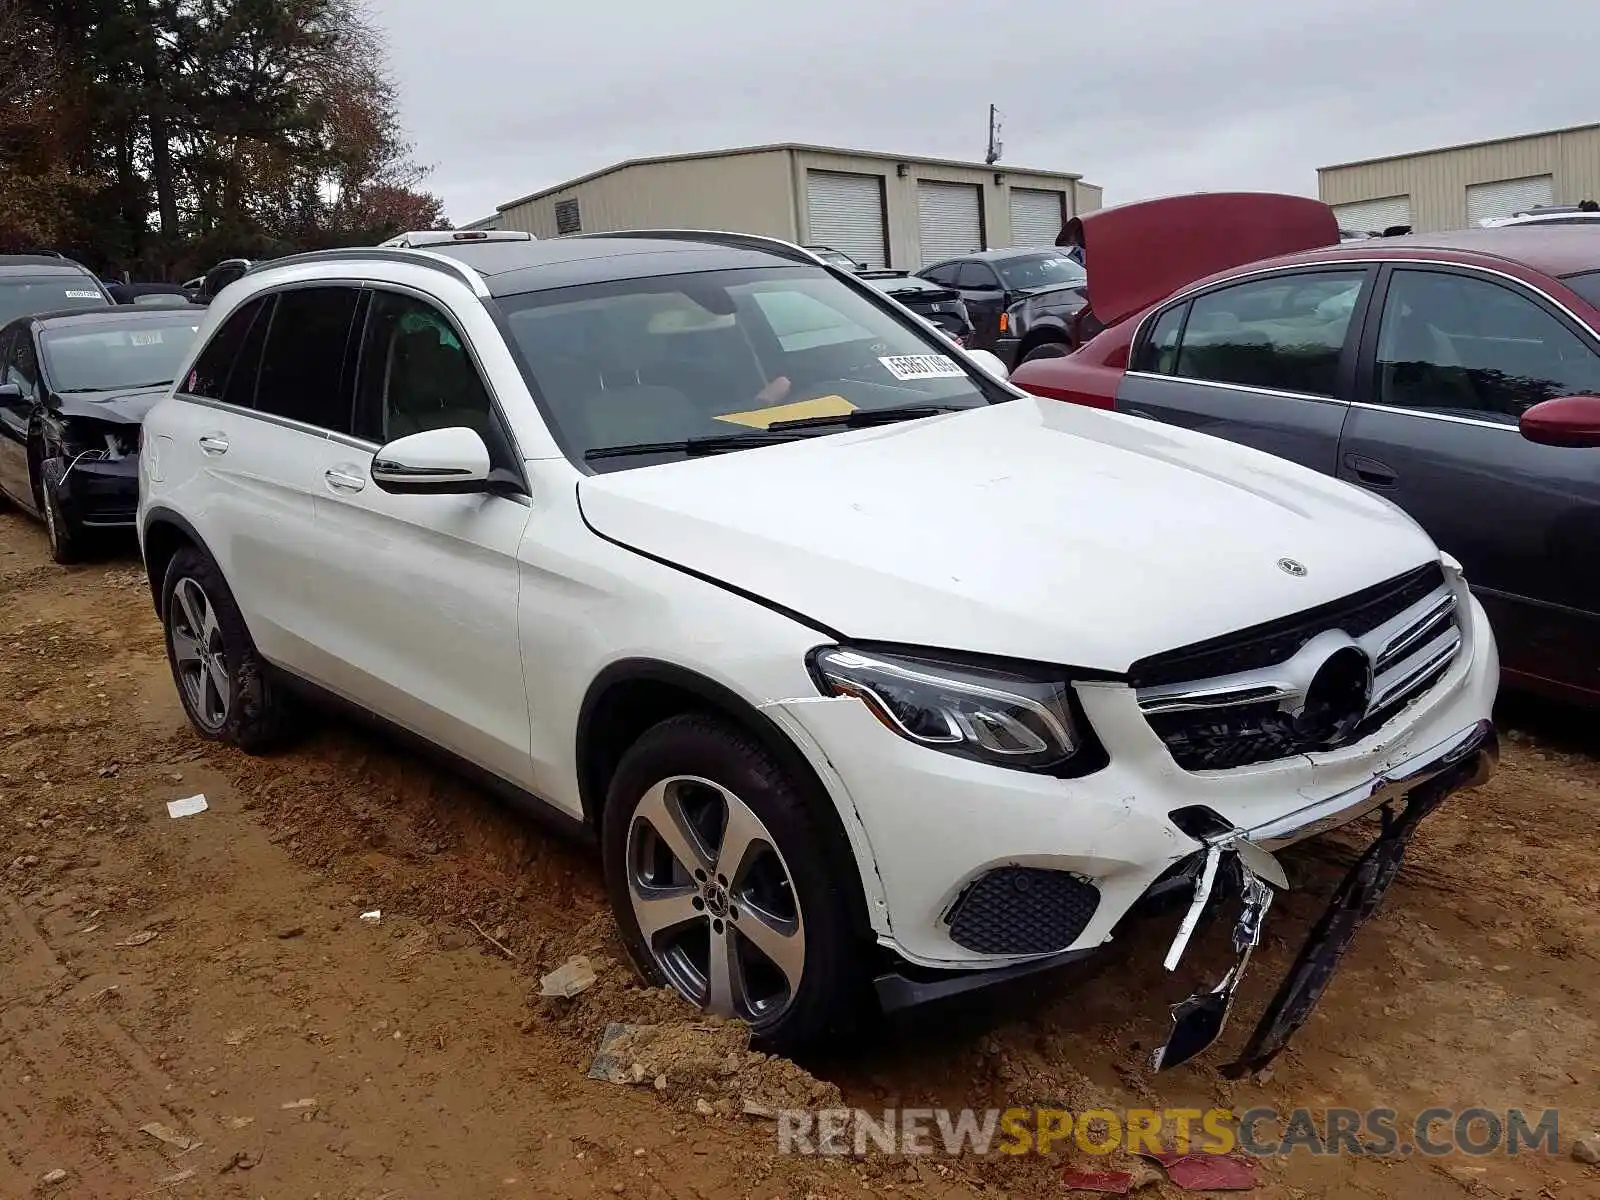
(875, 671)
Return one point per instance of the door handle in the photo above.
(214, 443)
(345, 478)
(1370, 471)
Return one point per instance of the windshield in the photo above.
(24, 297)
(105, 357)
(1047, 269)
(702, 355)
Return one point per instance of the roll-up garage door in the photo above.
(1036, 216)
(949, 220)
(1373, 216)
(1508, 197)
(846, 212)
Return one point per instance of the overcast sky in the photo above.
(1144, 97)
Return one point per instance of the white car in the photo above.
(861, 665)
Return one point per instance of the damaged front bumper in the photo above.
(1406, 796)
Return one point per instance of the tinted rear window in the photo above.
(1586, 285)
(24, 297)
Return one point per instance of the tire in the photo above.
(66, 543)
(688, 766)
(1045, 350)
(227, 691)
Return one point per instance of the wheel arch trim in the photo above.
(795, 752)
(161, 515)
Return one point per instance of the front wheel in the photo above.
(723, 883)
(65, 542)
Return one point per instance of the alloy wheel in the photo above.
(714, 900)
(51, 529)
(199, 655)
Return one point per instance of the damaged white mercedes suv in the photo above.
(868, 672)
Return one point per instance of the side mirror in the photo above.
(433, 462)
(1563, 421)
(861, 266)
(991, 364)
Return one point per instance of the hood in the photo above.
(1137, 254)
(1031, 529)
(125, 406)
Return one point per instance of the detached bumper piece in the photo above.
(1198, 1020)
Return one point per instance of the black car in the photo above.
(35, 283)
(1021, 302)
(156, 294)
(940, 305)
(73, 388)
(219, 277)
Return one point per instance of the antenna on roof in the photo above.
(995, 146)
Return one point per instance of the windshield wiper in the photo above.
(862, 417)
(693, 447)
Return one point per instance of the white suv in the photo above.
(862, 666)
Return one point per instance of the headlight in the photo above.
(995, 717)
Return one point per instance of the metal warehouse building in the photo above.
(882, 209)
(1458, 186)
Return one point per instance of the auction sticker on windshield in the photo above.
(82, 295)
(149, 338)
(922, 366)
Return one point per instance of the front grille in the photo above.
(1276, 641)
(1023, 910)
(1253, 697)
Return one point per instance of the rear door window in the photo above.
(218, 362)
(977, 276)
(303, 363)
(1285, 333)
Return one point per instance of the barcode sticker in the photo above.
(922, 366)
(149, 338)
(77, 295)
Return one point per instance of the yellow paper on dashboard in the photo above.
(821, 406)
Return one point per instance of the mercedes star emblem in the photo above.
(1290, 567)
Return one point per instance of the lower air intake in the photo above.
(1023, 910)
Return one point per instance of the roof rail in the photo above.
(418, 238)
(394, 254)
(741, 241)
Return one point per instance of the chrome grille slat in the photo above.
(1390, 686)
(1252, 716)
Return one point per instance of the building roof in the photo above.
(1516, 137)
(801, 147)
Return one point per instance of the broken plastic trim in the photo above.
(1353, 904)
(1198, 1020)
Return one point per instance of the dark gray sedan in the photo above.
(1457, 374)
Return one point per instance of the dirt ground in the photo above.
(210, 979)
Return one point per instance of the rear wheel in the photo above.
(1046, 350)
(723, 886)
(222, 681)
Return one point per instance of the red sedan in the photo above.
(1457, 374)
